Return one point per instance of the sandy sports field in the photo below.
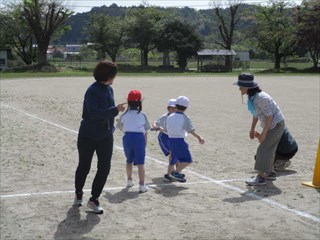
(39, 123)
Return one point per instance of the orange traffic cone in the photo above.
(316, 176)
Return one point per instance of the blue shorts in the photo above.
(163, 140)
(179, 151)
(134, 146)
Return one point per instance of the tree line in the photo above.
(277, 29)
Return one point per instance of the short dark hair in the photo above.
(181, 108)
(105, 71)
(253, 91)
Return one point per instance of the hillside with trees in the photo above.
(275, 31)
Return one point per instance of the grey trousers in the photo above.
(267, 150)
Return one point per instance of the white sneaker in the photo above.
(95, 206)
(143, 188)
(130, 183)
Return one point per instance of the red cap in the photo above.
(134, 95)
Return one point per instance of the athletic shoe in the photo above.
(182, 175)
(130, 183)
(177, 176)
(78, 199)
(167, 178)
(143, 188)
(271, 176)
(279, 164)
(256, 181)
(94, 205)
(287, 164)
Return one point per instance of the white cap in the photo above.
(182, 101)
(172, 103)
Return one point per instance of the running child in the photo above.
(178, 126)
(134, 125)
(163, 138)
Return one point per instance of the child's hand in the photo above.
(201, 140)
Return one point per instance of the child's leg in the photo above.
(141, 174)
(181, 166)
(170, 167)
(129, 171)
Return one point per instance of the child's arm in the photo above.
(146, 138)
(200, 139)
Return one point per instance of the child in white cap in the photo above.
(134, 125)
(163, 138)
(178, 126)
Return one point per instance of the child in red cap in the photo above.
(134, 125)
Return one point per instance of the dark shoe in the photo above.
(177, 176)
(167, 178)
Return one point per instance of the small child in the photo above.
(178, 126)
(134, 125)
(163, 138)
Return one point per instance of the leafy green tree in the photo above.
(226, 25)
(144, 27)
(15, 35)
(182, 38)
(45, 19)
(308, 33)
(275, 31)
(107, 34)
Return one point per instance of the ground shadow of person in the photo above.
(167, 189)
(285, 172)
(73, 227)
(256, 193)
(122, 196)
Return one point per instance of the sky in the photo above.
(79, 6)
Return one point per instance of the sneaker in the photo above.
(143, 188)
(94, 205)
(256, 181)
(182, 175)
(78, 200)
(177, 176)
(271, 176)
(287, 164)
(130, 183)
(280, 164)
(167, 178)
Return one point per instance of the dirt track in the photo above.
(39, 120)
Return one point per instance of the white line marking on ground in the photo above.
(219, 182)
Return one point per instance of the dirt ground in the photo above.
(39, 123)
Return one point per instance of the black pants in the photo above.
(86, 149)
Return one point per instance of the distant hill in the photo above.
(204, 20)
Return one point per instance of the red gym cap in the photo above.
(134, 95)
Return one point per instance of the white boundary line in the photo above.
(208, 179)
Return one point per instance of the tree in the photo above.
(144, 24)
(274, 31)
(45, 19)
(308, 32)
(16, 36)
(182, 38)
(107, 34)
(226, 27)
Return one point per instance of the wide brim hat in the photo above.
(246, 80)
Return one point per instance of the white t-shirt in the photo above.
(133, 121)
(178, 125)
